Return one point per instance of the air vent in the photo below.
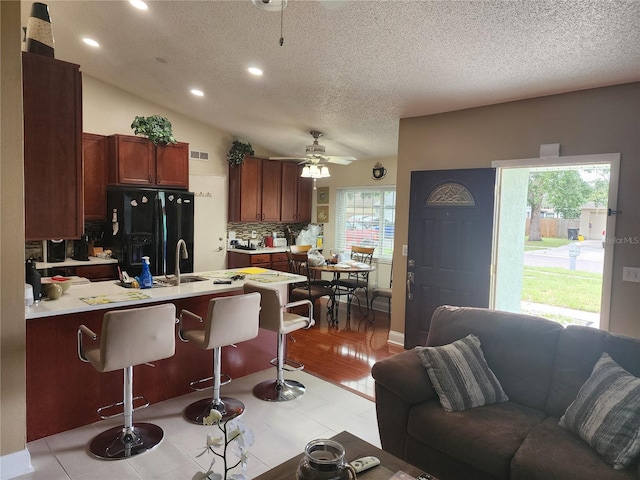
(195, 155)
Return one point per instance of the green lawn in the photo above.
(546, 242)
(562, 288)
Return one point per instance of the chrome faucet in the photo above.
(185, 255)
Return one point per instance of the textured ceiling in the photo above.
(351, 69)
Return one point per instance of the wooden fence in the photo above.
(554, 227)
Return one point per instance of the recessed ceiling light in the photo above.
(91, 42)
(139, 4)
(197, 93)
(254, 71)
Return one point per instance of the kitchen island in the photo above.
(64, 393)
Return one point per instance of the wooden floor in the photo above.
(344, 355)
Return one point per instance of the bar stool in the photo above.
(229, 320)
(129, 337)
(275, 317)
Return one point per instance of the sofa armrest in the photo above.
(401, 382)
(404, 375)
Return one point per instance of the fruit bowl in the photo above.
(64, 282)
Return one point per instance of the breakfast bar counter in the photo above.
(107, 295)
(64, 393)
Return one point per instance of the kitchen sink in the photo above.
(191, 279)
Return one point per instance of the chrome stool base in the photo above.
(272, 391)
(229, 408)
(112, 444)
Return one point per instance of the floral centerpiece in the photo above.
(232, 440)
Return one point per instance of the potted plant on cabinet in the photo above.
(156, 128)
(238, 151)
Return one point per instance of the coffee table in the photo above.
(354, 448)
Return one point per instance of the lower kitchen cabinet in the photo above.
(273, 261)
(94, 273)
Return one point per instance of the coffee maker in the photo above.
(81, 248)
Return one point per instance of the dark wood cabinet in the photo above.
(94, 160)
(172, 165)
(254, 191)
(263, 190)
(296, 194)
(136, 161)
(52, 104)
(274, 261)
(98, 273)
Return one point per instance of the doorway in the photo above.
(515, 268)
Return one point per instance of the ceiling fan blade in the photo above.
(287, 158)
(340, 159)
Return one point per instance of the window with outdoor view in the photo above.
(366, 217)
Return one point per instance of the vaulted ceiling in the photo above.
(351, 69)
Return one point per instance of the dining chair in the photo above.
(357, 280)
(311, 289)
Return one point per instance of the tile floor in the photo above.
(281, 431)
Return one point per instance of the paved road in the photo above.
(591, 258)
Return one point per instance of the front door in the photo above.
(450, 241)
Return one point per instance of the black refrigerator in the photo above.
(147, 222)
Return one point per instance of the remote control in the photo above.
(364, 463)
(222, 282)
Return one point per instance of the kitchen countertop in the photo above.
(71, 301)
(69, 262)
(260, 250)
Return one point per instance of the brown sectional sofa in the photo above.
(541, 367)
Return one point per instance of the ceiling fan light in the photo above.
(306, 172)
(324, 172)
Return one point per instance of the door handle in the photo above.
(410, 279)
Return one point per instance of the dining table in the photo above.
(337, 269)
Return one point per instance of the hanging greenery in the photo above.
(156, 128)
(238, 151)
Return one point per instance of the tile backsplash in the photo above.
(243, 230)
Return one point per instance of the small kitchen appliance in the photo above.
(81, 248)
(56, 251)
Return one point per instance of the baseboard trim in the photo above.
(15, 464)
(396, 338)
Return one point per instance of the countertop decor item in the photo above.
(156, 128)
(39, 34)
(238, 151)
(234, 438)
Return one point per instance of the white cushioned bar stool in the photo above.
(129, 337)
(275, 316)
(229, 320)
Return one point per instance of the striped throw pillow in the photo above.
(460, 375)
(606, 413)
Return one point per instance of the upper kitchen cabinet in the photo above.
(255, 191)
(94, 158)
(52, 103)
(296, 194)
(137, 161)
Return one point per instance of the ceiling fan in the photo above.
(315, 154)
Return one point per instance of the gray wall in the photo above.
(602, 120)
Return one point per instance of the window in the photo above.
(366, 217)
